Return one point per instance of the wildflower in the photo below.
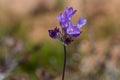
(54, 33)
(70, 12)
(81, 22)
(73, 31)
(69, 30)
(63, 20)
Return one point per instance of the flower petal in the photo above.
(81, 22)
(73, 31)
(70, 12)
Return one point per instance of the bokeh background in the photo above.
(28, 53)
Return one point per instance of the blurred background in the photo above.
(28, 53)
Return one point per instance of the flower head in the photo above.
(54, 33)
(69, 30)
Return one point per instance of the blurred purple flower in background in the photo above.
(69, 30)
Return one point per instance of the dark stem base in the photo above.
(64, 66)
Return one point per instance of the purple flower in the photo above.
(63, 20)
(70, 12)
(69, 30)
(81, 22)
(62, 17)
(73, 31)
(54, 33)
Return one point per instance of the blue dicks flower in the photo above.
(69, 30)
(70, 12)
(73, 31)
(63, 20)
(54, 33)
(62, 17)
(81, 22)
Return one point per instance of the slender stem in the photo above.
(64, 66)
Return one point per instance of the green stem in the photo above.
(64, 66)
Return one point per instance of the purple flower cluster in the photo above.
(69, 31)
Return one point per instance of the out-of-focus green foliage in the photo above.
(50, 56)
